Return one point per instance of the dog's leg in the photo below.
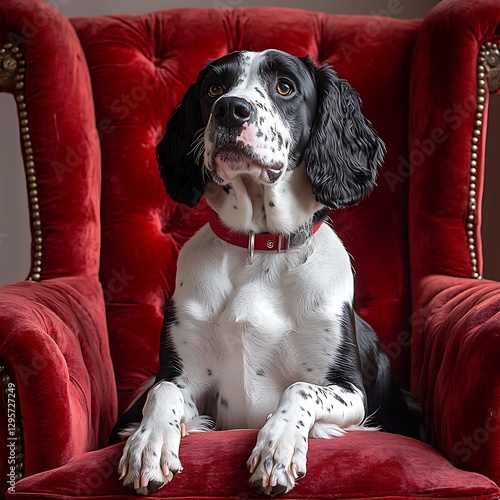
(279, 457)
(151, 456)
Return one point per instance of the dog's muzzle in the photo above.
(238, 144)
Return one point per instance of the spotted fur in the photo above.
(274, 344)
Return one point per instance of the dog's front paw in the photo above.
(150, 458)
(278, 459)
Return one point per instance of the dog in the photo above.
(261, 330)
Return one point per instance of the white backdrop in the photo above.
(14, 221)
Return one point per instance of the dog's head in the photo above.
(262, 114)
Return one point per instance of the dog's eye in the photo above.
(284, 88)
(215, 90)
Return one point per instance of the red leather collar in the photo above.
(258, 241)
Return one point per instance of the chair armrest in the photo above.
(54, 347)
(456, 369)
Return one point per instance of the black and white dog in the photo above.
(261, 331)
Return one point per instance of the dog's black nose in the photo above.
(232, 112)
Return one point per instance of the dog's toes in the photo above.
(272, 479)
(264, 488)
(144, 486)
(278, 459)
(150, 460)
(148, 482)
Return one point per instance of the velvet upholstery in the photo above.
(442, 121)
(455, 357)
(80, 342)
(54, 335)
(68, 166)
(218, 464)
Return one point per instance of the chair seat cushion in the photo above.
(362, 464)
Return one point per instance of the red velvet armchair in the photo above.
(80, 335)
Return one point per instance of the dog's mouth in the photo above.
(235, 158)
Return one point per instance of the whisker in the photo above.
(197, 145)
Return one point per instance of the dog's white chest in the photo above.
(249, 332)
(254, 336)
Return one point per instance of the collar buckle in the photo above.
(251, 247)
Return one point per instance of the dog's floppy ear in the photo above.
(180, 165)
(344, 152)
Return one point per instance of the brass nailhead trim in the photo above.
(488, 72)
(12, 72)
(18, 430)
